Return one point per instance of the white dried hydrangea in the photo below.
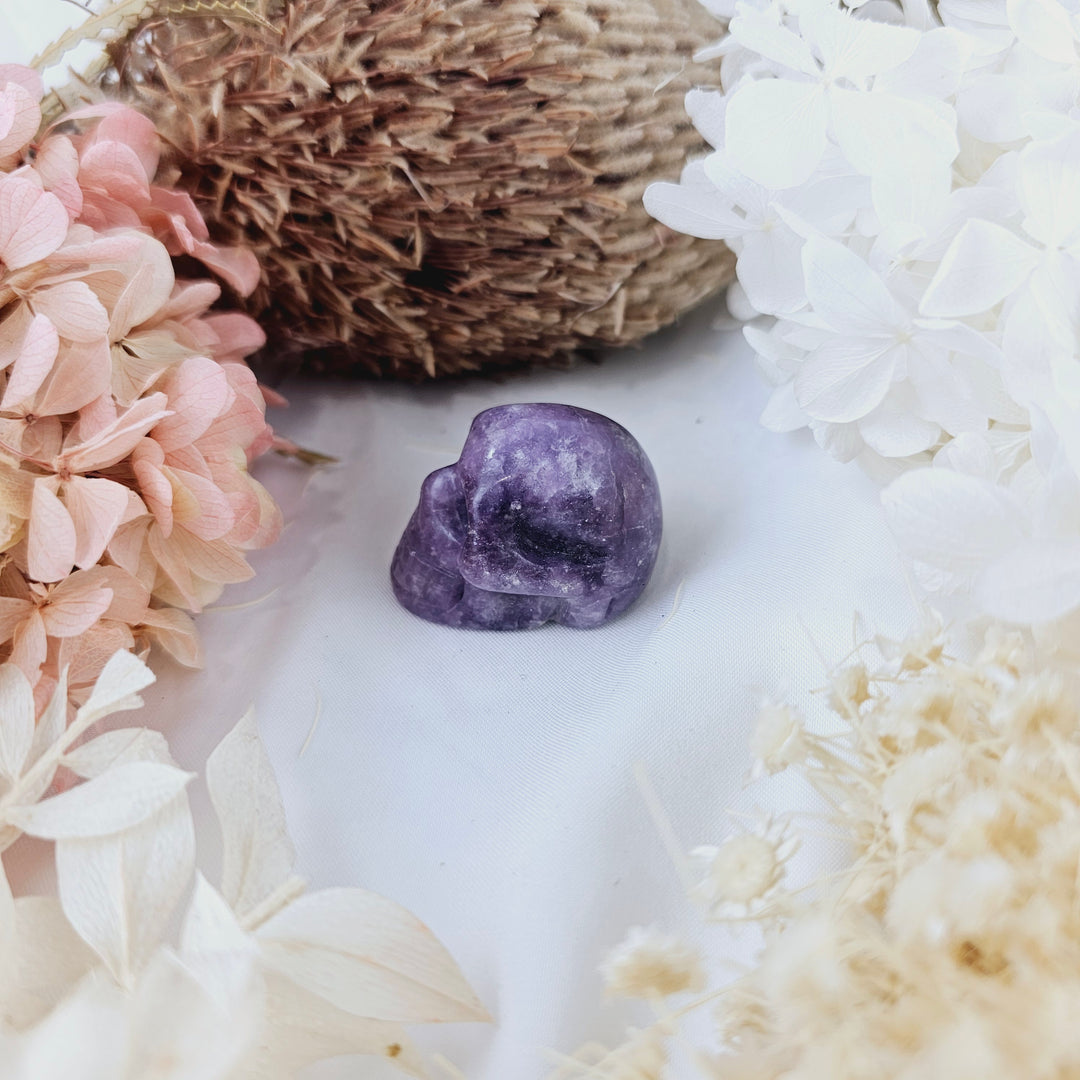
(901, 185)
(263, 977)
(950, 947)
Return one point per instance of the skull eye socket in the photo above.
(539, 533)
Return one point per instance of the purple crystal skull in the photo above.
(552, 514)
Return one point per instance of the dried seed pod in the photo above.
(436, 186)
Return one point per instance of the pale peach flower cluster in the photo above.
(950, 946)
(128, 417)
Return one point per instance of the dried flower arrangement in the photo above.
(902, 198)
(430, 187)
(899, 182)
(951, 945)
(128, 417)
(263, 979)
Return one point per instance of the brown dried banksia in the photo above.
(434, 186)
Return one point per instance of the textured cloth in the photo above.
(485, 780)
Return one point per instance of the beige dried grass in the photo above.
(435, 186)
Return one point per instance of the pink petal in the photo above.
(113, 169)
(13, 332)
(198, 391)
(81, 374)
(87, 654)
(31, 646)
(129, 596)
(74, 309)
(97, 506)
(74, 606)
(154, 486)
(135, 131)
(236, 266)
(57, 163)
(33, 223)
(176, 209)
(213, 560)
(147, 291)
(175, 632)
(13, 612)
(20, 117)
(190, 298)
(200, 506)
(26, 77)
(238, 335)
(50, 535)
(117, 440)
(36, 357)
(86, 246)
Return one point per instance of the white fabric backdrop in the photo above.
(485, 780)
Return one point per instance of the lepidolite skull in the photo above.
(552, 514)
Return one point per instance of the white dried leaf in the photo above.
(257, 852)
(120, 891)
(118, 747)
(367, 956)
(215, 947)
(16, 721)
(302, 1028)
(117, 688)
(179, 1031)
(48, 961)
(47, 733)
(84, 1038)
(119, 799)
(8, 940)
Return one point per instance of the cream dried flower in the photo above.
(742, 875)
(951, 945)
(777, 739)
(648, 965)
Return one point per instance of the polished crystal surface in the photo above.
(551, 514)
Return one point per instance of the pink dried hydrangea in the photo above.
(128, 418)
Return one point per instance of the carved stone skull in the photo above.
(552, 514)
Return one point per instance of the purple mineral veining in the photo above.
(551, 514)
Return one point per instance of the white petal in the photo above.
(770, 270)
(1048, 180)
(367, 956)
(844, 380)
(845, 292)
(695, 211)
(783, 412)
(951, 521)
(776, 130)
(993, 108)
(1044, 27)
(897, 433)
(257, 852)
(119, 892)
(119, 799)
(983, 265)
(880, 133)
(760, 32)
(1034, 583)
(706, 109)
(117, 747)
(16, 721)
(934, 69)
(969, 453)
(855, 48)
